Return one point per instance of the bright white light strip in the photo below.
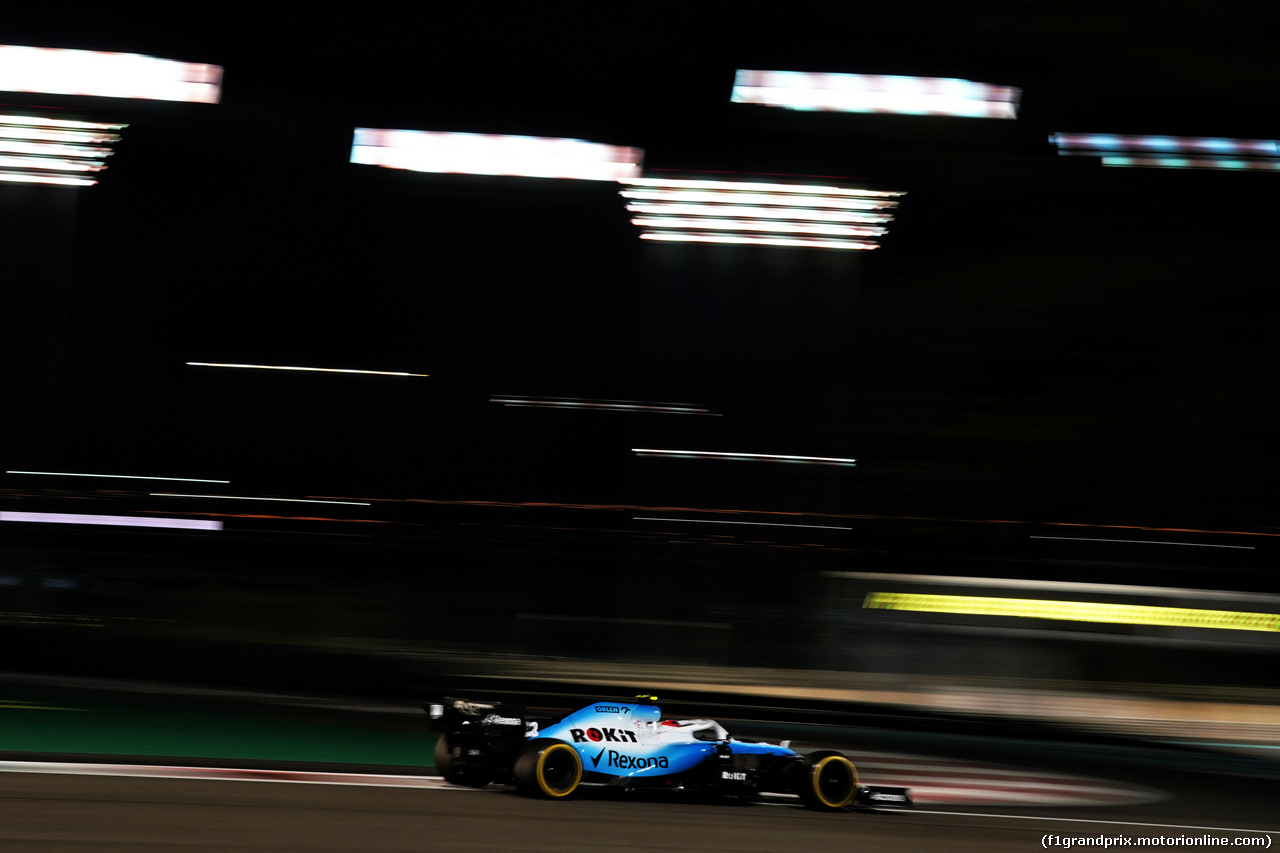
(34, 178)
(53, 164)
(117, 476)
(753, 523)
(36, 150)
(710, 224)
(50, 148)
(757, 186)
(60, 122)
(106, 75)
(794, 199)
(788, 213)
(314, 369)
(714, 207)
(748, 457)
(1144, 542)
(871, 93)
(758, 241)
(494, 154)
(109, 520)
(239, 498)
(610, 405)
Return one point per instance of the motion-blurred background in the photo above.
(1033, 432)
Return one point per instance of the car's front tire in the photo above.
(831, 782)
(548, 768)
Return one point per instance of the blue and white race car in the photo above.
(629, 745)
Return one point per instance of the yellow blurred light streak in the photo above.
(709, 224)
(313, 369)
(761, 187)
(793, 200)
(117, 476)
(240, 498)
(758, 241)
(1075, 611)
(790, 213)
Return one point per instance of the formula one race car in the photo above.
(628, 745)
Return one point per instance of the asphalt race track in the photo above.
(56, 812)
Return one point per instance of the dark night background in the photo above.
(1038, 339)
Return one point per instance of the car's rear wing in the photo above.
(491, 718)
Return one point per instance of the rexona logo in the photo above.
(612, 709)
(596, 735)
(629, 762)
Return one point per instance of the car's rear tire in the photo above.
(458, 773)
(548, 768)
(831, 782)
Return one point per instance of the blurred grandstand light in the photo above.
(875, 93)
(494, 154)
(241, 498)
(743, 457)
(1172, 152)
(41, 150)
(756, 213)
(750, 523)
(1145, 542)
(116, 476)
(602, 405)
(107, 75)
(313, 369)
(1075, 611)
(110, 520)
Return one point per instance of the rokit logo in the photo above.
(596, 735)
(733, 775)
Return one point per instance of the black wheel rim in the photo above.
(559, 769)
(834, 781)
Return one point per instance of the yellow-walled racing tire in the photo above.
(548, 768)
(831, 783)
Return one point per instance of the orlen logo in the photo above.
(612, 709)
(596, 735)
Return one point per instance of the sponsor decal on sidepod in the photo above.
(606, 734)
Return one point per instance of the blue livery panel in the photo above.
(620, 739)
